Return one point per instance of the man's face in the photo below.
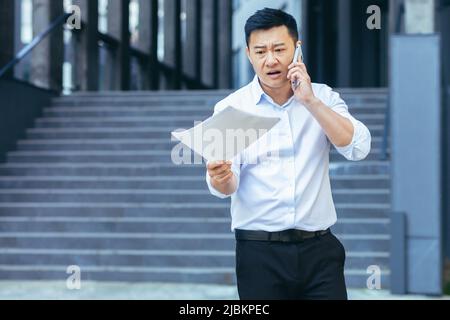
(271, 52)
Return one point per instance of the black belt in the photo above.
(291, 235)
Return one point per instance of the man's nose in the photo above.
(271, 59)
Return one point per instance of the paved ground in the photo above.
(148, 291)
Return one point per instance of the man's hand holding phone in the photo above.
(299, 77)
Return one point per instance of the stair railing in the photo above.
(38, 39)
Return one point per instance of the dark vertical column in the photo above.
(87, 55)
(191, 49)
(154, 65)
(118, 27)
(48, 57)
(144, 41)
(92, 49)
(444, 24)
(124, 47)
(304, 30)
(7, 32)
(172, 40)
(395, 19)
(17, 34)
(207, 46)
(398, 251)
(225, 53)
(198, 41)
(215, 37)
(144, 27)
(344, 44)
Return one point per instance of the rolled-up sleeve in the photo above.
(359, 147)
(235, 167)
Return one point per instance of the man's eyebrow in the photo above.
(264, 47)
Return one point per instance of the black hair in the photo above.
(268, 18)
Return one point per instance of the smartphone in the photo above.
(298, 53)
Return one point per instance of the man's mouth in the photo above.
(274, 74)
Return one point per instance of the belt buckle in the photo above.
(296, 235)
(284, 236)
(300, 236)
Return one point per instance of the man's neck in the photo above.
(279, 95)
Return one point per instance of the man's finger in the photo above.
(215, 164)
(292, 71)
(225, 178)
(221, 171)
(220, 177)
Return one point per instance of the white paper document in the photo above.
(226, 134)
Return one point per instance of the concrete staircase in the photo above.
(93, 185)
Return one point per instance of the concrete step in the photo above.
(207, 93)
(154, 121)
(360, 167)
(117, 274)
(156, 258)
(162, 169)
(354, 278)
(87, 111)
(169, 94)
(164, 182)
(137, 102)
(100, 169)
(361, 90)
(185, 100)
(126, 133)
(114, 144)
(146, 196)
(194, 102)
(162, 224)
(374, 155)
(164, 209)
(110, 196)
(358, 278)
(129, 156)
(159, 241)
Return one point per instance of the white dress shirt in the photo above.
(283, 178)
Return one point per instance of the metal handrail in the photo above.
(107, 39)
(29, 47)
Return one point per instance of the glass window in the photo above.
(103, 16)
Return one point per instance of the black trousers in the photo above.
(311, 269)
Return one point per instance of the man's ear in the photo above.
(248, 55)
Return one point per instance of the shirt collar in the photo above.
(258, 93)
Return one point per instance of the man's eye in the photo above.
(259, 52)
(279, 50)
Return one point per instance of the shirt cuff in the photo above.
(359, 147)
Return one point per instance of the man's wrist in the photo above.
(312, 102)
(227, 188)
